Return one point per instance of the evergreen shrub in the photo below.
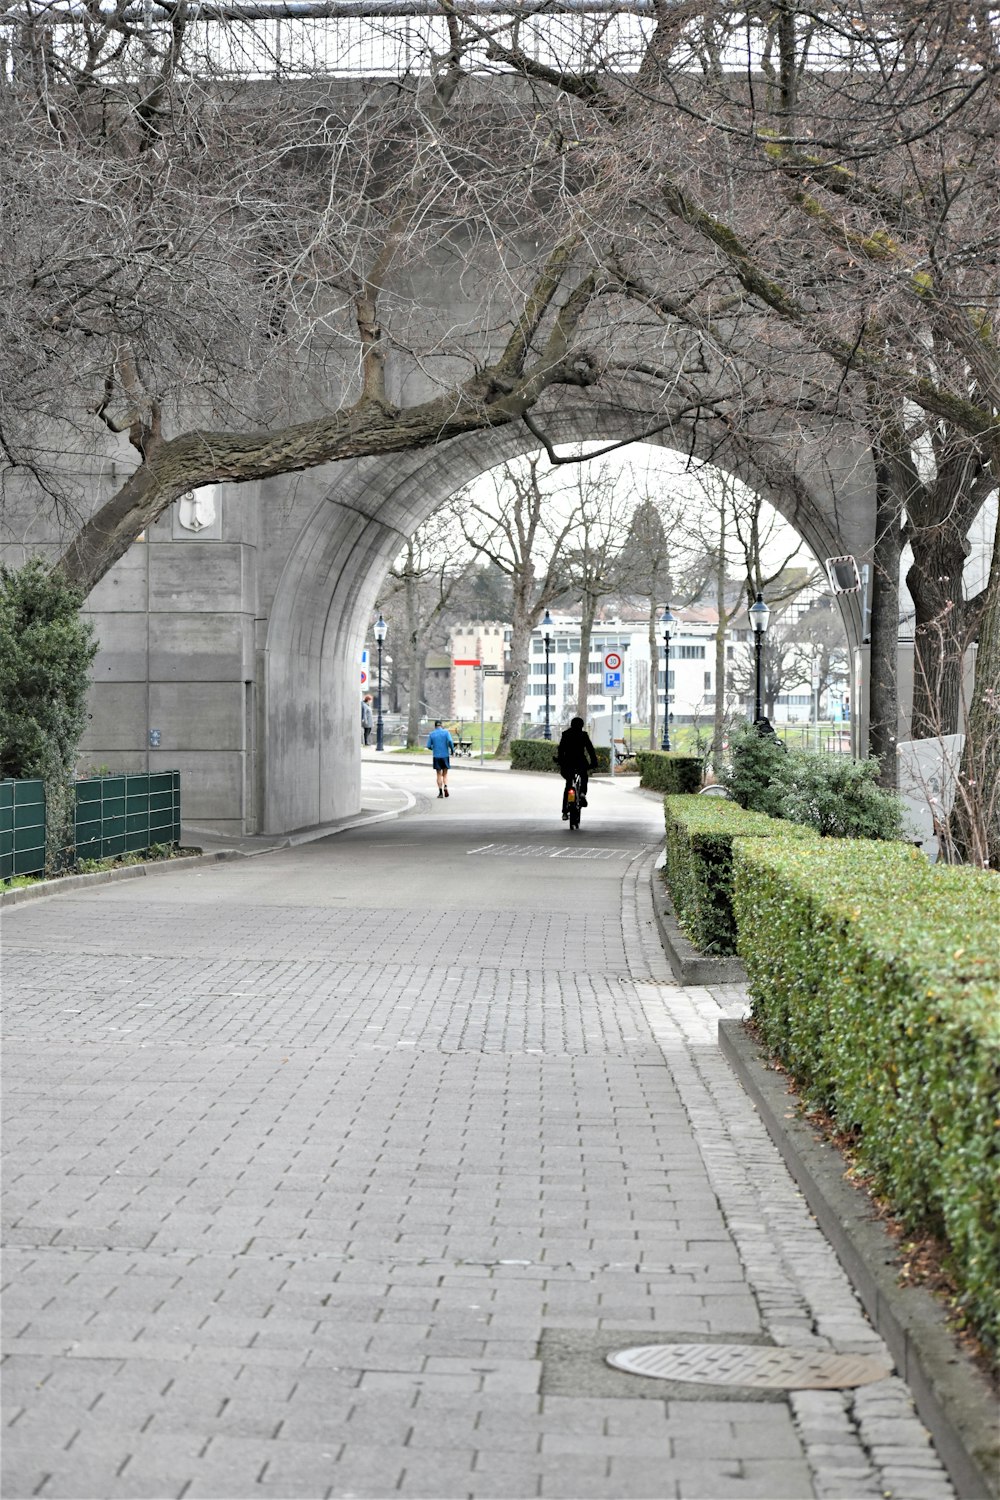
(540, 755)
(664, 771)
(874, 978)
(834, 794)
(46, 649)
(699, 863)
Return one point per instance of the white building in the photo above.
(692, 684)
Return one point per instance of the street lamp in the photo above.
(759, 616)
(548, 624)
(381, 630)
(667, 621)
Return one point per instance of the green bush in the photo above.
(699, 863)
(664, 771)
(45, 654)
(874, 978)
(837, 796)
(540, 755)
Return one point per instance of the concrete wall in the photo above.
(231, 650)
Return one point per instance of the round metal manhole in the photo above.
(755, 1366)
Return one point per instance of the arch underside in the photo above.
(365, 509)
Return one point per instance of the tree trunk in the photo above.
(975, 818)
(883, 688)
(414, 650)
(524, 620)
(586, 631)
(654, 677)
(935, 583)
(719, 717)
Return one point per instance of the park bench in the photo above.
(622, 753)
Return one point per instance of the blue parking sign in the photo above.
(612, 682)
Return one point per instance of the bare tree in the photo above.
(599, 503)
(424, 582)
(519, 531)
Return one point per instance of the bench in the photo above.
(622, 753)
(462, 747)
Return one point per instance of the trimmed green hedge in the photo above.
(663, 771)
(874, 978)
(540, 755)
(699, 865)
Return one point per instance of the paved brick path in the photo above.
(336, 1171)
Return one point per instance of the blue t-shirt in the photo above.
(440, 743)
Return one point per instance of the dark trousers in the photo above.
(580, 771)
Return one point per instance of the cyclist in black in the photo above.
(576, 753)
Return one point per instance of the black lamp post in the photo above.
(548, 624)
(667, 621)
(759, 616)
(381, 630)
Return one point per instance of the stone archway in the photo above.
(362, 512)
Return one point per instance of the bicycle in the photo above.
(574, 796)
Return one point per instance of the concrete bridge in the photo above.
(231, 634)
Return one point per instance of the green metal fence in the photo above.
(22, 828)
(125, 814)
(114, 815)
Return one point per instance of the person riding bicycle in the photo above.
(576, 756)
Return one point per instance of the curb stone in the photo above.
(689, 965)
(953, 1400)
(105, 877)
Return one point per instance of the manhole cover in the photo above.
(753, 1366)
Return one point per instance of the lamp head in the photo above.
(759, 615)
(667, 621)
(380, 629)
(548, 624)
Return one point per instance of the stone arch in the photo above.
(362, 513)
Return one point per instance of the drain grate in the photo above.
(753, 1366)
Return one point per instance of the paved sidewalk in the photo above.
(336, 1171)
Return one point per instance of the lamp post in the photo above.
(667, 621)
(759, 616)
(548, 624)
(381, 630)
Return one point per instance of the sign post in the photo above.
(613, 685)
(474, 661)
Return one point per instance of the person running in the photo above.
(441, 744)
(576, 754)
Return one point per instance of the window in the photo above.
(708, 682)
(730, 652)
(688, 653)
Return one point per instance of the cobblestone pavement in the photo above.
(336, 1171)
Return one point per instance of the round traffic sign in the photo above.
(613, 661)
(364, 676)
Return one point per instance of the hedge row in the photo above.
(874, 978)
(540, 755)
(663, 771)
(699, 865)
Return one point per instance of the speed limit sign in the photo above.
(613, 662)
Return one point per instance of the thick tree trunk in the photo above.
(975, 819)
(935, 584)
(883, 689)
